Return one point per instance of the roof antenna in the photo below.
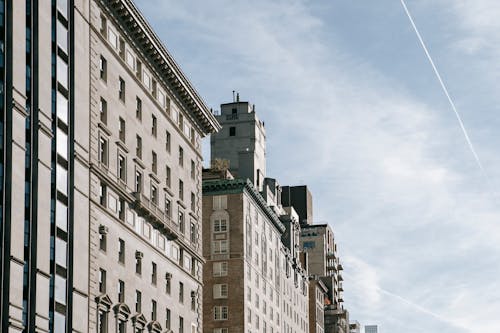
(233, 96)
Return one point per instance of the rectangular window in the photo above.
(138, 181)
(138, 108)
(167, 318)
(102, 194)
(103, 111)
(153, 310)
(138, 146)
(138, 263)
(220, 291)
(121, 89)
(122, 168)
(220, 247)
(220, 226)
(168, 207)
(102, 241)
(121, 251)
(232, 131)
(121, 291)
(220, 313)
(193, 202)
(121, 209)
(153, 273)
(220, 268)
(181, 325)
(181, 292)
(181, 190)
(154, 164)
(193, 233)
(154, 194)
(154, 125)
(103, 69)
(168, 284)
(181, 156)
(193, 170)
(102, 281)
(168, 178)
(121, 129)
(138, 301)
(103, 151)
(168, 140)
(181, 221)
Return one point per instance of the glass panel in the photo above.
(61, 216)
(62, 37)
(60, 291)
(62, 108)
(62, 143)
(62, 179)
(59, 322)
(62, 6)
(62, 72)
(61, 249)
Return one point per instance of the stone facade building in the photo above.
(250, 237)
(100, 173)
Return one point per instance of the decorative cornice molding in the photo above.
(142, 34)
(233, 186)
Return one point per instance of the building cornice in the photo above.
(233, 186)
(142, 34)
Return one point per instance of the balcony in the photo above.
(149, 210)
(330, 255)
(341, 288)
(340, 277)
(339, 267)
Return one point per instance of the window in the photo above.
(153, 310)
(168, 283)
(153, 273)
(154, 194)
(104, 22)
(309, 245)
(220, 226)
(181, 292)
(192, 233)
(220, 268)
(121, 130)
(138, 146)
(193, 301)
(220, 313)
(167, 141)
(103, 321)
(168, 178)
(121, 291)
(193, 202)
(103, 151)
(102, 194)
(138, 108)
(193, 170)
(181, 221)
(220, 291)
(103, 69)
(121, 89)
(138, 181)
(138, 262)
(221, 330)
(220, 246)
(154, 164)
(102, 238)
(232, 131)
(181, 325)
(138, 301)
(168, 207)
(103, 111)
(122, 168)
(102, 281)
(121, 251)
(167, 318)
(154, 124)
(121, 209)
(181, 156)
(181, 190)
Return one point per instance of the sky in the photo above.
(353, 109)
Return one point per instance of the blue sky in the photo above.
(353, 109)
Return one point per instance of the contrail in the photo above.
(469, 142)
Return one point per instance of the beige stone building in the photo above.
(100, 173)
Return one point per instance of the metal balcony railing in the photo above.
(148, 209)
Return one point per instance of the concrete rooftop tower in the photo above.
(242, 141)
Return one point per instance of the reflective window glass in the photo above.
(62, 72)
(62, 143)
(60, 291)
(62, 179)
(62, 108)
